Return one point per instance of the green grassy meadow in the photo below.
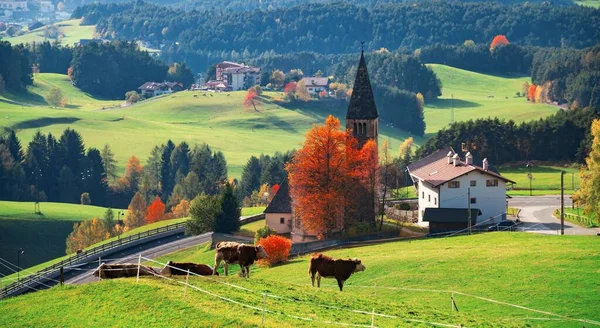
(546, 179)
(408, 280)
(221, 120)
(471, 91)
(71, 29)
(218, 119)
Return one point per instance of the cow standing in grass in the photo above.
(232, 252)
(325, 266)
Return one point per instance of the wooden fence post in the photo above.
(187, 277)
(137, 279)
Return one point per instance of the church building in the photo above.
(362, 119)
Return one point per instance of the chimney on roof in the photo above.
(449, 156)
(455, 159)
(469, 159)
(485, 164)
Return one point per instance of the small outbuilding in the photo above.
(278, 215)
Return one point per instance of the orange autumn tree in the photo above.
(86, 233)
(499, 40)
(251, 99)
(320, 175)
(156, 210)
(531, 92)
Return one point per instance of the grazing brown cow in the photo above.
(325, 266)
(231, 252)
(174, 268)
(112, 271)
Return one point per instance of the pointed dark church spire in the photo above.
(362, 103)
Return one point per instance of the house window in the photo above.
(429, 198)
(473, 183)
(492, 183)
(282, 220)
(435, 201)
(423, 194)
(454, 184)
(473, 200)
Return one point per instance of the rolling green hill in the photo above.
(217, 119)
(221, 120)
(408, 280)
(71, 29)
(471, 93)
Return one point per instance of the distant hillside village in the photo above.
(32, 12)
(231, 76)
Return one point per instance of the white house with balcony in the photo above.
(237, 76)
(446, 183)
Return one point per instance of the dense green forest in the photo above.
(339, 27)
(61, 170)
(15, 71)
(243, 5)
(564, 136)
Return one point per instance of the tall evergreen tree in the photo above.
(228, 219)
(250, 176)
(166, 170)
(109, 163)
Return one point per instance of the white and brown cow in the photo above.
(328, 267)
(232, 252)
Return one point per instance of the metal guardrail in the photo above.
(42, 275)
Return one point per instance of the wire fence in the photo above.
(263, 309)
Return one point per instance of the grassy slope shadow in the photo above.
(42, 240)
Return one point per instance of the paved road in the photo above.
(536, 215)
(162, 247)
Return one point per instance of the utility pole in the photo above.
(452, 109)
(469, 207)
(530, 178)
(562, 202)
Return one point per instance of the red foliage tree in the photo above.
(290, 87)
(321, 173)
(156, 210)
(277, 249)
(497, 41)
(274, 189)
(531, 92)
(70, 73)
(323, 94)
(251, 99)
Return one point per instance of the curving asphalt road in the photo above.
(161, 247)
(536, 215)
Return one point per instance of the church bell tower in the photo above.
(362, 117)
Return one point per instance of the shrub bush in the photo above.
(405, 207)
(263, 232)
(277, 248)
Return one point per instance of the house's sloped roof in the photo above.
(227, 64)
(316, 81)
(362, 102)
(435, 170)
(447, 215)
(151, 86)
(243, 69)
(281, 203)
